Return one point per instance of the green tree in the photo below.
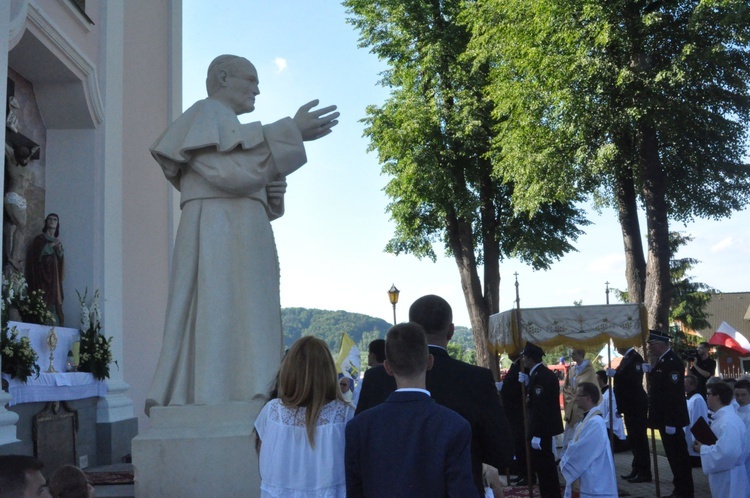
(690, 298)
(330, 326)
(433, 137)
(637, 101)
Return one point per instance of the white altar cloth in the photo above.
(37, 335)
(55, 387)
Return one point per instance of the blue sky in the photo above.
(331, 239)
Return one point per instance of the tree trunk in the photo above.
(491, 252)
(627, 213)
(658, 292)
(461, 241)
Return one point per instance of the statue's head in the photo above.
(234, 81)
(52, 221)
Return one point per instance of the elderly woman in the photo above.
(70, 482)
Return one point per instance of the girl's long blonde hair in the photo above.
(308, 379)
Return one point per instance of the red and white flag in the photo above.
(726, 336)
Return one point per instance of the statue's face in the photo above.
(241, 87)
(51, 222)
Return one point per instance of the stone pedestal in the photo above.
(116, 426)
(8, 421)
(198, 451)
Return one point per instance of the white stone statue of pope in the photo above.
(222, 337)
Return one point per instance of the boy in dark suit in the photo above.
(409, 445)
(468, 390)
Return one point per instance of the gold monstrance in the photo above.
(52, 344)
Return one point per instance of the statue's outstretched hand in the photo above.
(315, 124)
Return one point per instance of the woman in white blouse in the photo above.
(301, 433)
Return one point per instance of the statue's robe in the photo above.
(222, 337)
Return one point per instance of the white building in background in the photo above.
(99, 81)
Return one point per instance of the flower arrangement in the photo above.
(18, 357)
(30, 305)
(96, 350)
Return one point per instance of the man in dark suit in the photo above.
(466, 389)
(513, 406)
(667, 409)
(545, 421)
(409, 445)
(632, 402)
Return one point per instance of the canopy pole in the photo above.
(519, 335)
(609, 393)
(653, 437)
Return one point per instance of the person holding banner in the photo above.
(347, 365)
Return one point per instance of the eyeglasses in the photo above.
(343, 383)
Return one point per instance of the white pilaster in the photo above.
(116, 406)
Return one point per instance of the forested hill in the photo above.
(330, 325)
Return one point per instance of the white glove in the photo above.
(646, 368)
(670, 430)
(610, 372)
(522, 377)
(499, 386)
(536, 443)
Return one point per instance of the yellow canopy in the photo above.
(626, 324)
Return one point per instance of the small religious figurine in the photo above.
(222, 336)
(45, 266)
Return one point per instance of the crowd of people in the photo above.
(422, 423)
(418, 410)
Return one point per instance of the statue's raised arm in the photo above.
(315, 124)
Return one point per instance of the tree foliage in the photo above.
(690, 298)
(637, 101)
(433, 137)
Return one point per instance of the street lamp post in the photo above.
(393, 297)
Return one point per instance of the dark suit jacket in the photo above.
(667, 403)
(544, 403)
(466, 389)
(628, 385)
(409, 446)
(512, 398)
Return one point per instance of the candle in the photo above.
(76, 353)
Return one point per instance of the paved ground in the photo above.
(648, 490)
(622, 466)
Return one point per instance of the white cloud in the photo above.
(723, 244)
(280, 64)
